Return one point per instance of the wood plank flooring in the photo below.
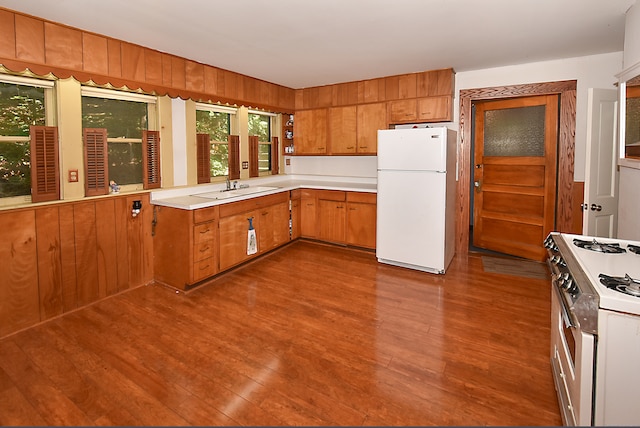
(308, 335)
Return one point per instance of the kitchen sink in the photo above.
(228, 194)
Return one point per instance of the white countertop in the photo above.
(187, 197)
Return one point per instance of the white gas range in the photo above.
(595, 328)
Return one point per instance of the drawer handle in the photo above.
(205, 267)
(205, 249)
(205, 231)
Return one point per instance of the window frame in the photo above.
(49, 119)
(254, 151)
(152, 126)
(233, 126)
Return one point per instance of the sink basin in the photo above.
(235, 193)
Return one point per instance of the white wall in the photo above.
(632, 36)
(338, 166)
(595, 71)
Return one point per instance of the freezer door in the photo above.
(422, 149)
(411, 218)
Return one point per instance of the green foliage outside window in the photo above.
(218, 126)
(20, 107)
(122, 119)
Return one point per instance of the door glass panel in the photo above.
(514, 131)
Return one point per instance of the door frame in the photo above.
(564, 212)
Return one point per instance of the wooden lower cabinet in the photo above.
(308, 213)
(332, 216)
(339, 217)
(185, 246)
(233, 238)
(270, 218)
(361, 219)
(296, 213)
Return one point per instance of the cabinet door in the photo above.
(311, 132)
(233, 238)
(361, 224)
(332, 220)
(308, 214)
(402, 111)
(296, 205)
(434, 109)
(371, 118)
(274, 226)
(342, 130)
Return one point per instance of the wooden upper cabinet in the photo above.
(342, 130)
(310, 130)
(403, 111)
(434, 109)
(371, 118)
(428, 109)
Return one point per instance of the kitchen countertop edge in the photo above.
(186, 198)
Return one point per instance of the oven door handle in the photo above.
(568, 321)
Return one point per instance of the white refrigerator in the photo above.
(416, 198)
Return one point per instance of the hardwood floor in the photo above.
(308, 335)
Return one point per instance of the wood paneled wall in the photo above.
(48, 47)
(430, 83)
(59, 257)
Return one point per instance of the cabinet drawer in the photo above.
(331, 195)
(205, 214)
(203, 250)
(362, 197)
(203, 269)
(204, 232)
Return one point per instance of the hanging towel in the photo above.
(252, 242)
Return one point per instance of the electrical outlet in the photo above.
(73, 176)
(245, 164)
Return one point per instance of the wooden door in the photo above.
(371, 118)
(310, 132)
(233, 238)
(342, 130)
(308, 214)
(361, 224)
(332, 220)
(600, 205)
(515, 174)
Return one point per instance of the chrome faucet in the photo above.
(228, 183)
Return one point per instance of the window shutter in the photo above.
(45, 171)
(234, 157)
(95, 161)
(203, 150)
(253, 155)
(275, 156)
(151, 159)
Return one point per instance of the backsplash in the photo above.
(342, 166)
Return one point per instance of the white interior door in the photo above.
(600, 208)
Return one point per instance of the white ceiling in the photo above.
(302, 43)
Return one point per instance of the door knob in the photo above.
(584, 207)
(476, 184)
(595, 207)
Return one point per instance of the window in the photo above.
(216, 122)
(260, 124)
(27, 164)
(116, 133)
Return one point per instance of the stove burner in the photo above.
(634, 248)
(612, 248)
(624, 284)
